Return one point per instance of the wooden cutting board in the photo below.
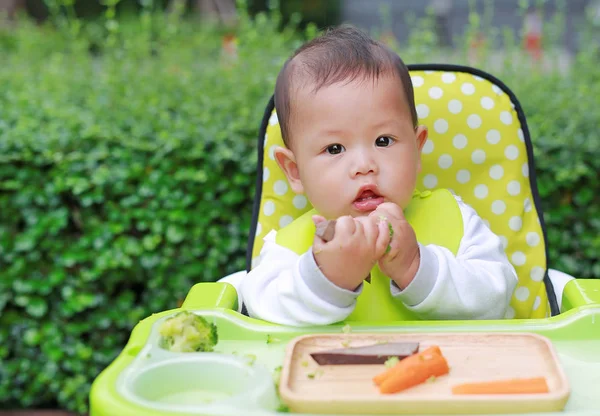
(473, 357)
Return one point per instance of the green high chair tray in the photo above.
(480, 148)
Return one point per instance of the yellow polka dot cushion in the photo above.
(479, 148)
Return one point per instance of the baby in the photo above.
(345, 104)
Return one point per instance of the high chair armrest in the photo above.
(211, 295)
(579, 292)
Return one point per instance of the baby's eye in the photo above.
(384, 141)
(335, 149)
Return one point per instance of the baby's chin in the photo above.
(354, 213)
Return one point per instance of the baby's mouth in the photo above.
(367, 200)
(364, 195)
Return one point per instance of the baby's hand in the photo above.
(402, 258)
(356, 246)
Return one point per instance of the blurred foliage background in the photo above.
(127, 164)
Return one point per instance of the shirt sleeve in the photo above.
(477, 283)
(290, 289)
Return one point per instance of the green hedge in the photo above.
(564, 126)
(127, 157)
(126, 176)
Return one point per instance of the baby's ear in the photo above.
(287, 163)
(422, 135)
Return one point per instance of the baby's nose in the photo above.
(365, 164)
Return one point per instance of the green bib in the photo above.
(435, 217)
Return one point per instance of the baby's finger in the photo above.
(344, 228)
(317, 219)
(359, 229)
(390, 211)
(370, 229)
(384, 237)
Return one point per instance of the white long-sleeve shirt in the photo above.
(477, 283)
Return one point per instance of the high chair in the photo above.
(479, 147)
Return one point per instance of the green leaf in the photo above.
(175, 234)
(36, 307)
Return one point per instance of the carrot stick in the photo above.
(379, 378)
(416, 371)
(511, 386)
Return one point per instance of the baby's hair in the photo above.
(340, 54)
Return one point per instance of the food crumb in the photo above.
(392, 361)
(347, 329)
(315, 374)
(271, 339)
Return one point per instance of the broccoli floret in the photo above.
(188, 332)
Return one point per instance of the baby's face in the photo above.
(355, 146)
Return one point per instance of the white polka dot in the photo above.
(522, 294)
(525, 170)
(496, 172)
(520, 135)
(515, 223)
(266, 173)
(455, 106)
(422, 111)
(429, 72)
(436, 93)
(476, 78)
(537, 274)
(510, 313)
(280, 187)
(506, 118)
(487, 103)
(272, 151)
(265, 141)
(463, 176)
(504, 242)
(273, 119)
(445, 161)
(527, 205)
(513, 188)
(511, 152)
(448, 77)
(427, 147)
(536, 303)
(481, 191)
(430, 181)
(285, 220)
(497, 90)
(440, 126)
(467, 88)
(533, 239)
(478, 157)
(459, 141)
(417, 81)
(474, 121)
(258, 229)
(299, 201)
(493, 136)
(518, 258)
(269, 208)
(498, 207)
